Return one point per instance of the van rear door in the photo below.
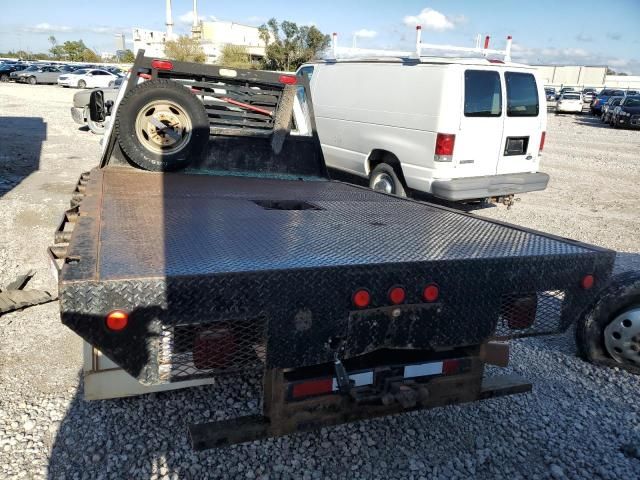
(522, 124)
(477, 144)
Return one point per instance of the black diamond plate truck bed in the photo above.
(230, 274)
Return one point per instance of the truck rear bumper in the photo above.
(489, 186)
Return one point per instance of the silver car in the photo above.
(45, 74)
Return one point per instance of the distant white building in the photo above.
(213, 37)
(152, 41)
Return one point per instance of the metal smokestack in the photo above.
(169, 21)
(195, 13)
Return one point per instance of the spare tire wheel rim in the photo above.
(622, 337)
(383, 183)
(163, 127)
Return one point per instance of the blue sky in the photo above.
(560, 32)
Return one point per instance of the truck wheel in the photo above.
(97, 128)
(609, 332)
(32, 80)
(161, 125)
(383, 178)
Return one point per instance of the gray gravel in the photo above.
(579, 422)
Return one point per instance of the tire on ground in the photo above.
(386, 170)
(622, 293)
(157, 91)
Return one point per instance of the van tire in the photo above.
(384, 178)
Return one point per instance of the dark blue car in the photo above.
(602, 97)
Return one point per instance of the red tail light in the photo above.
(117, 320)
(397, 295)
(312, 387)
(362, 298)
(431, 293)
(587, 281)
(445, 143)
(288, 79)
(542, 138)
(520, 312)
(214, 348)
(161, 64)
(451, 366)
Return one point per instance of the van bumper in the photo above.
(489, 186)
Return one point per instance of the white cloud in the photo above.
(187, 18)
(364, 33)
(48, 28)
(431, 19)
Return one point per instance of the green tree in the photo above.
(288, 46)
(185, 49)
(235, 56)
(89, 55)
(74, 50)
(127, 56)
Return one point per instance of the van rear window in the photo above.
(482, 94)
(522, 95)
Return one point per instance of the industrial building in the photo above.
(585, 76)
(213, 35)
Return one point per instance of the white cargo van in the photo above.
(457, 128)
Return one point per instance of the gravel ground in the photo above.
(579, 422)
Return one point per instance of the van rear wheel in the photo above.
(384, 179)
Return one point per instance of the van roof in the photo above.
(426, 60)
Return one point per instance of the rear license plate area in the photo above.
(516, 146)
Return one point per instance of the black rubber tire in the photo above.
(82, 84)
(32, 81)
(142, 95)
(4, 78)
(622, 293)
(385, 168)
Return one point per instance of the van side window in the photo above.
(522, 95)
(482, 94)
(306, 72)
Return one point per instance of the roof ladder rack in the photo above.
(346, 52)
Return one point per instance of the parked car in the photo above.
(87, 78)
(627, 114)
(569, 102)
(564, 90)
(551, 93)
(588, 94)
(6, 69)
(14, 75)
(457, 140)
(80, 109)
(41, 74)
(602, 97)
(607, 108)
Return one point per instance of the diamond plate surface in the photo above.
(173, 225)
(198, 263)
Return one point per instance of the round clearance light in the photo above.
(587, 281)
(362, 298)
(117, 320)
(431, 293)
(397, 295)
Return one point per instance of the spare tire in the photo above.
(609, 331)
(162, 126)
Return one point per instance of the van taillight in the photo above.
(445, 143)
(542, 137)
